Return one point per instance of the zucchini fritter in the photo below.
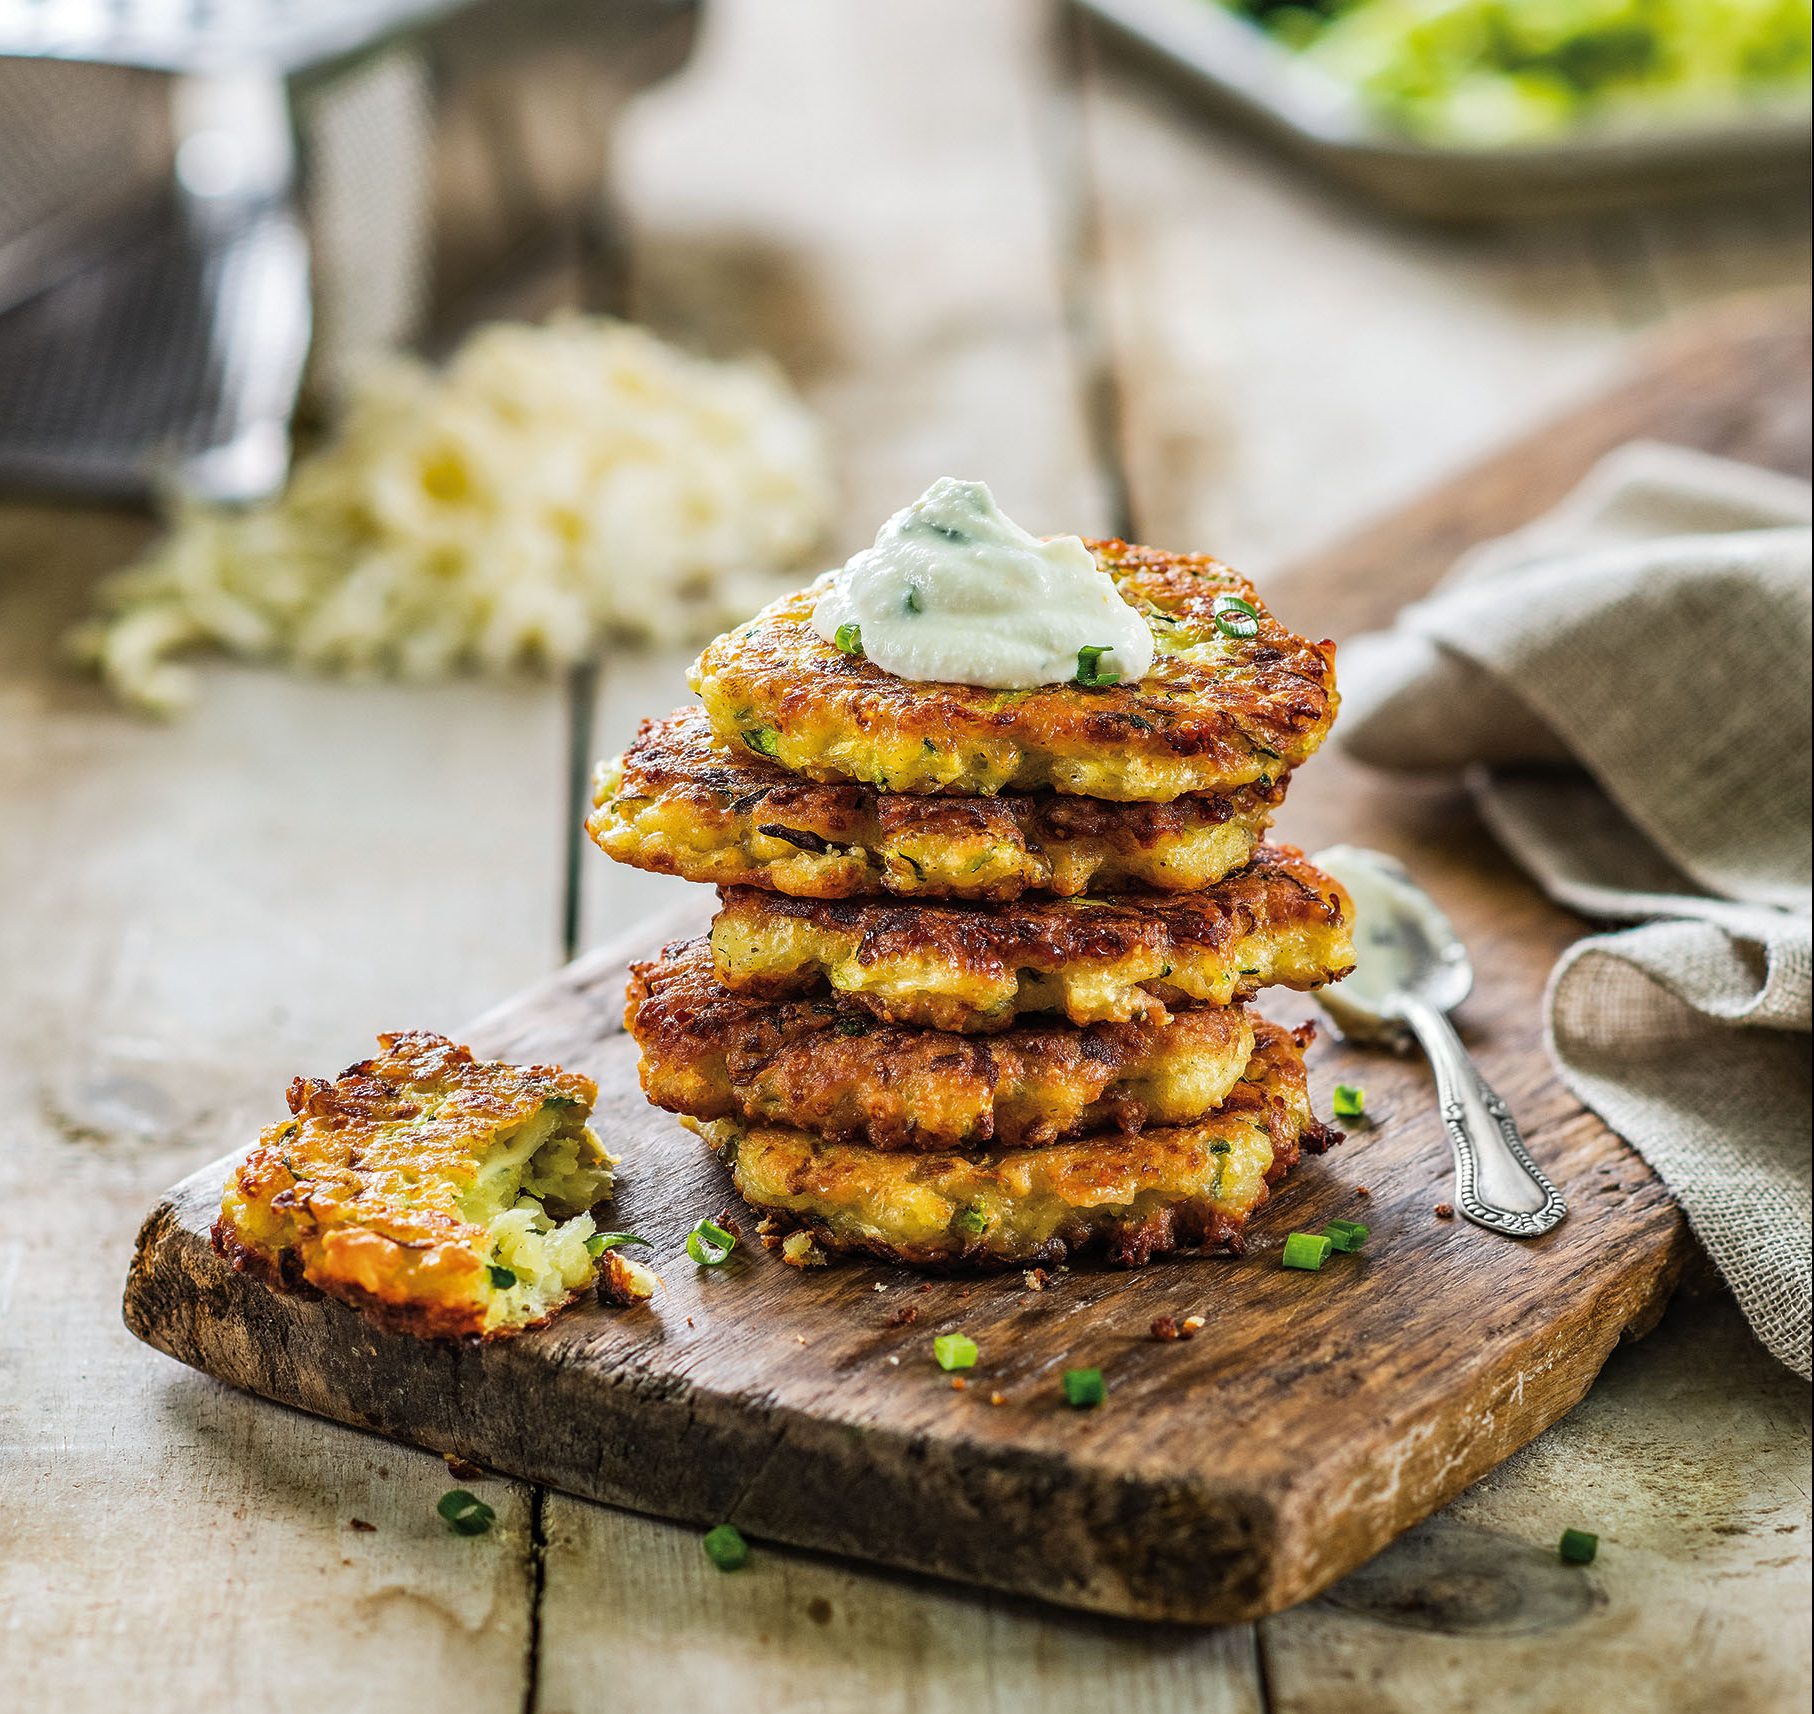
(1131, 1197)
(442, 1195)
(682, 802)
(1215, 713)
(826, 1066)
(975, 968)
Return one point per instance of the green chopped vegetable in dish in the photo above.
(1493, 74)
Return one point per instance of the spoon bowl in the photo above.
(1411, 970)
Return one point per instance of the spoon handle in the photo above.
(1497, 1184)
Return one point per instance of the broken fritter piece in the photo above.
(439, 1194)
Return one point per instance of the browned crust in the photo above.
(1279, 1099)
(731, 795)
(284, 1273)
(961, 948)
(1262, 704)
(829, 1067)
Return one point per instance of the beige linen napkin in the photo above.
(1625, 684)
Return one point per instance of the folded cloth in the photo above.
(1625, 686)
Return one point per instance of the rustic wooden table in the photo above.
(984, 245)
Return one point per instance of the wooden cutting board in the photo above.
(1315, 1417)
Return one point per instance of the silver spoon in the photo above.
(1411, 971)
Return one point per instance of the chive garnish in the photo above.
(1349, 1101)
(848, 639)
(1235, 617)
(1345, 1235)
(954, 1351)
(709, 1244)
(763, 740)
(1307, 1250)
(464, 1513)
(501, 1277)
(600, 1242)
(1084, 1388)
(850, 1024)
(725, 1547)
(911, 604)
(1089, 667)
(1578, 1547)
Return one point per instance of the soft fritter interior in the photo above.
(1132, 1196)
(442, 1194)
(533, 1196)
(830, 1067)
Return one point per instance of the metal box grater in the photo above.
(211, 210)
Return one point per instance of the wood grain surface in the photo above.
(1250, 363)
(1315, 1418)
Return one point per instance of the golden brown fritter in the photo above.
(826, 1066)
(1131, 1197)
(1215, 713)
(440, 1194)
(969, 967)
(681, 802)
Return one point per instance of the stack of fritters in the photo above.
(974, 992)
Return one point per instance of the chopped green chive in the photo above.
(1235, 617)
(709, 1244)
(763, 740)
(1349, 1101)
(1307, 1250)
(726, 1548)
(1346, 1235)
(911, 604)
(464, 1513)
(954, 1351)
(849, 1024)
(1084, 1388)
(1578, 1547)
(848, 639)
(600, 1242)
(501, 1277)
(1090, 673)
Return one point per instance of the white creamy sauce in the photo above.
(955, 592)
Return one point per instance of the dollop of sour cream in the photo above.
(955, 592)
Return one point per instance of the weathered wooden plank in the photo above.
(1211, 1490)
(196, 912)
(831, 1637)
(1689, 1459)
